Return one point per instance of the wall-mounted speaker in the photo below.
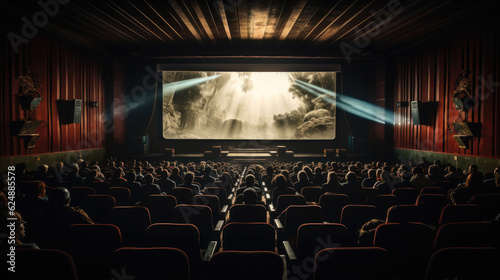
(417, 112)
(70, 111)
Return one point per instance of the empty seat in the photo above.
(39, 264)
(211, 201)
(434, 190)
(161, 208)
(286, 200)
(431, 206)
(132, 221)
(198, 215)
(149, 263)
(231, 265)
(91, 247)
(351, 263)
(312, 194)
(355, 216)
(248, 213)
(183, 195)
(297, 215)
(468, 234)
(489, 202)
(79, 194)
(332, 205)
(382, 202)
(313, 237)
(462, 213)
(248, 237)
(98, 207)
(405, 195)
(280, 191)
(404, 214)
(410, 246)
(185, 237)
(464, 263)
(221, 193)
(121, 195)
(101, 187)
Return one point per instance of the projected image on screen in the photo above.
(249, 105)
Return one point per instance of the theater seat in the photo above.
(248, 237)
(405, 195)
(79, 194)
(312, 194)
(240, 265)
(248, 213)
(468, 234)
(276, 192)
(382, 202)
(410, 246)
(297, 215)
(201, 217)
(132, 221)
(161, 208)
(185, 237)
(98, 207)
(355, 216)
(121, 195)
(39, 264)
(91, 247)
(464, 263)
(286, 200)
(350, 263)
(183, 195)
(149, 264)
(462, 213)
(332, 205)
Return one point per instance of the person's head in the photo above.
(34, 189)
(280, 180)
(496, 172)
(318, 171)
(416, 170)
(189, 178)
(473, 168)
(175, 171)
(332, 178)
(19, 229)
(296, 169)
(208, 170)
(474, 180)
(460, 195)
(149, 178)
(350, 177)
(423, 159)
(386, 177)
(302, 176)
(3, 201)
(118, 173)
(405, 175)
(451, 169)
(433, 170)
(43, 168)
(367, 232)
(379, 172)
(372, 173)
(59, 197)
(352, 168)
(130, 176)
(250, 196)
(269, 170)
(250, 180)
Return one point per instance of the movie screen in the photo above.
(249, 105)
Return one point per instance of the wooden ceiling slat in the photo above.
(261, 17)
(153, 27)
(185, 20)
(292, 18)
(275, 11)
(347, 16)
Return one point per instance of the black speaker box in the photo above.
(70, 111)
(418, 112)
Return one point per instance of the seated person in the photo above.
(188, 183)
(370, 180)
(149, 187)
(20, 231)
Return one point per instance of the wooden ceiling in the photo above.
(153, 28)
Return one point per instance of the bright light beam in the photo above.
(354, 106)
(180, 85)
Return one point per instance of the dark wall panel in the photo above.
(429, 75)
(65, 73)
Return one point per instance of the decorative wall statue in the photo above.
(463, 88)
(29, 94)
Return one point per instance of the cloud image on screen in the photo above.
(248, 105)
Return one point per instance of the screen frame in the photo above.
(246, 65)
